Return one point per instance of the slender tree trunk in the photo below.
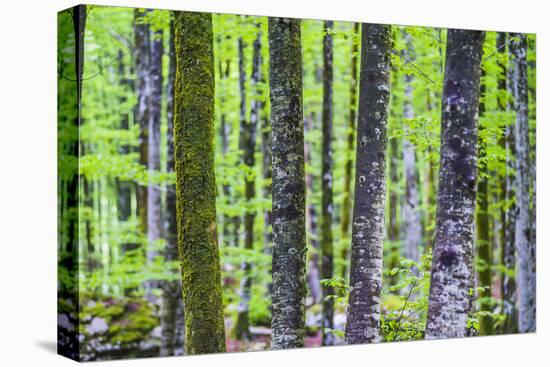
(346, 201)
(525, 249)
(413, 231)
(248, 134)
(393, 230)
(224, 71)
(142, 59)
(313, 270)
(154, 220)
(267, 175)
(452, 277)
(363, 321)
(509, 296)
(327, 247)
(289, 235)
(195, 183)
(484, 247)
(125, 189)
(171, 306)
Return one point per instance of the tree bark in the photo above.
(363, 321)
(327, 247)
(526, 276)
(509, 248)
(413, 230)
(452, 281)
(195, 183)
(289, 237)
(346, 201)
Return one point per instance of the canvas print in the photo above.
(231, 183)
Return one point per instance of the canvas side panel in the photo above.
(69, 66)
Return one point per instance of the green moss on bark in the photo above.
(195, 184)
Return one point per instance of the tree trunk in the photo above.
(484, 260)
(526, 277)
(248, 135)
(171, 306)
(363, 321)
(142, 59)
(413, 230)
(224, 72)
(195, 183)
(452, 277)
(509, 247)
(327, 247)
(346, 201)
(313, 271)
(289, 235)
(154, 220)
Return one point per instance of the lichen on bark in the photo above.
(195, 183)
(525, 248)
(363, 320)
(289, 235)
(452, 274)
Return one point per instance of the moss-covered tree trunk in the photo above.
(289, 234)
(363, 321)
(452, 278)
(327, 247)
(346, 199)
(248, 145)
(172, 302)
(195, 183)
(526, 277)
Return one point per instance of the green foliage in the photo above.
(406, 303)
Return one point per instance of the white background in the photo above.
(28, 181)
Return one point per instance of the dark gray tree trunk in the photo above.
(196, 184)
(452, 277)
(248, 136)
(526, 276)
(346, 201)
(413, 230)
(289, 235)
(509, 250)
(224, 68)
(327, 247)
(172, 303)
(363, 320)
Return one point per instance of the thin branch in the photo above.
(512, 39)
(414, 66)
